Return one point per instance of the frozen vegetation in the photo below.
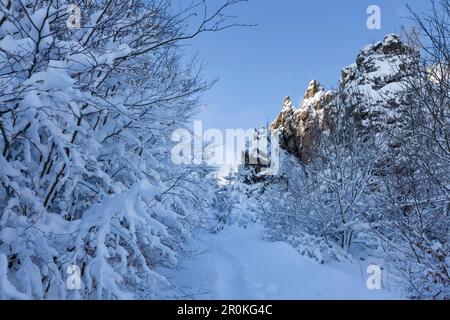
(92, 207)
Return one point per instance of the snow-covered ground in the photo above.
(238, 264)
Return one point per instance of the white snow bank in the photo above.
(238, 264)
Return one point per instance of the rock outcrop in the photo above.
(300, 128)
(370, 89)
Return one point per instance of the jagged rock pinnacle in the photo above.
(369, 87)
(287, 103)
(313, 87)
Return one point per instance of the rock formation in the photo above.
(370, 90)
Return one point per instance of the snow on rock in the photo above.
(300, 128)
(375, 79)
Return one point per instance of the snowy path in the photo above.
(237, 264)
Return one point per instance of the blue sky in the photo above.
(295, 41)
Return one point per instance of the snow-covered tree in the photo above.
(90, 93)
(414, 196)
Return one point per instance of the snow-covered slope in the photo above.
(238, 263)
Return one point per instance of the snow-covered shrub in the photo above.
(236, 200)
(412, 208)
(85, 120)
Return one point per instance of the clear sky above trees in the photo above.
(293, 42)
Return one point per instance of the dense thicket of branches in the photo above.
(379, 177)
(415, 197)
(85, 120)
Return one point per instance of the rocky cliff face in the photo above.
(299, 128)
(370, 89)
